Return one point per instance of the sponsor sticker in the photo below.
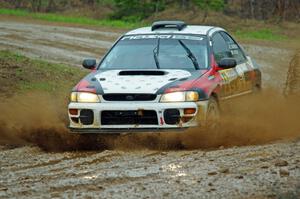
(187, 37)
(228, 75)
(234, 52)
(241, 69)
(232, 46)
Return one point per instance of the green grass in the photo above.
(22, 74)
(67, 19)
(40, 86)
(262, 34)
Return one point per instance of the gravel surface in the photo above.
(269, 171)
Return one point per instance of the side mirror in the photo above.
(227, 63)
(89, 64)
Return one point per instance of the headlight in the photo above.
(189, 96)
(84, 97)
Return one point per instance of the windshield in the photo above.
(158, 51)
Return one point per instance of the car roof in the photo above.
(189, 29)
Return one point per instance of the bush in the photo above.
(135, 10)
(216, 5)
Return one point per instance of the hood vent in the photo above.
(142, 72)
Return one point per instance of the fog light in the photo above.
(73, 111)
(86, 117)
(172, 116)
(188, 111)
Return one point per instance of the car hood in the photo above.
(137, 81)
(140, 81)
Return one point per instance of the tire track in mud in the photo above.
(56, 40)
(181, 173)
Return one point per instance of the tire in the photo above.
(257, 90)
(212, 120)
(206, 134)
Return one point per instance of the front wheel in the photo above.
(206, 135)
(212, 120)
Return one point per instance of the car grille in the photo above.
(141, 117)
(129, 97)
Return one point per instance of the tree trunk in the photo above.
(51, 6)
(39, 5)
(205, 16)
(17, 4)
(252, 8)
(206, 9)
(91, 2)
(184, 4)
(33, 5)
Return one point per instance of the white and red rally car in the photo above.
(167, 76)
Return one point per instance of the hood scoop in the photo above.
(142, 72)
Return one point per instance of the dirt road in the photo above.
(267, 171)
(135, 170)
(55, 43)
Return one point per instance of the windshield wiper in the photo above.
(190, 54)
(156, 53)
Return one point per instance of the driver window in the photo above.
(220, 47)
(234, 49)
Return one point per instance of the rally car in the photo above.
(164, 77)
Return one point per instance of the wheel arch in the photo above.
(215, 95)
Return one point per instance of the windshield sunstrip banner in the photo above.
(178, 37)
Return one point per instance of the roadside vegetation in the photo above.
(19, 74)
(52, 17)
(136, 10)
(271, 20)
(261, 34)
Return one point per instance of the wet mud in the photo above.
(37, 119)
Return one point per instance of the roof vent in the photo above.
(179, 25)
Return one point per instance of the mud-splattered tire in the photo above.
(257, 90)
(206, 135)
(212, 120)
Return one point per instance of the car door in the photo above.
(243, 83)
(229, 76)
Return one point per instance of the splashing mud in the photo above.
(253, 119)
(292, 85)
(37, 118)
(34, 118)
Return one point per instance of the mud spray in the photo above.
(38, 119)
(33, 118)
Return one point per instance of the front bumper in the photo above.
(185, 120)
